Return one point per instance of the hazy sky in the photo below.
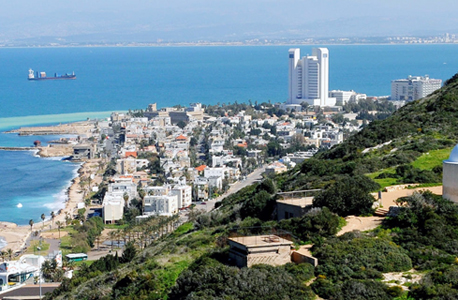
(191, 20)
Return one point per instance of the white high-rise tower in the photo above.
(309, 78)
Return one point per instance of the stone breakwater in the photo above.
(48, 151)
(77, 128)
(18, 148)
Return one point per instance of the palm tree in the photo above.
(68, 265)
(59, 225)
(112, 235)
(126, 198)
(31, 224)
(9, 252)
(43, 217)
(68, 219)
(142, 194)
(53, 215)
(118, 235)
(3, 255)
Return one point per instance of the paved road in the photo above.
(251, 178)
(31, 290)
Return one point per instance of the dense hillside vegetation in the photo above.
(192, 262)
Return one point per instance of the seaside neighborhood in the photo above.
(146, 173)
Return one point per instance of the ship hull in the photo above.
(55, 78)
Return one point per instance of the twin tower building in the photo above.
(309, 78)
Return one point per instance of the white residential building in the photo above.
(166, 205)
(215, 182)
(222, 172)
(130, 165)
(184, 195)
(342, 97)
(123, 184)
(201, 186)
(414, 87)
(217, 145)
(309, 78)
(112, 207)
(158, 190)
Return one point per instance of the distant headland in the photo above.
(445, 38)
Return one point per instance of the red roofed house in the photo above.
(244, 144)
(201, 168)
(131, 153)
(181, 138)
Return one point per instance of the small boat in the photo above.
(19, 205)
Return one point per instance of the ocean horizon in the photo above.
(118, 79)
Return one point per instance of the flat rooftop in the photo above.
(260, 240)
(302, 202)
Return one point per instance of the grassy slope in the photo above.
(434, 117)
(157, 266)
(427, 161)
(432, 159)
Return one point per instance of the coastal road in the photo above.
(251, 178)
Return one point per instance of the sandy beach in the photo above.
(16, 236)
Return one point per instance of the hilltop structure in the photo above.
(450, 177)
(414, 87)
(309, 78)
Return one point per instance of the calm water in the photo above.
(122, 78)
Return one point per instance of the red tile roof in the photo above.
(201, 168)
(181, 138)
(131, 153)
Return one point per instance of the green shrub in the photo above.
(350, 195)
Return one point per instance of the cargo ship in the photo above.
(42, 76)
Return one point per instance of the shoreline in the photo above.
(16, 236)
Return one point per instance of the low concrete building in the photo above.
(262, 249)
(84, 151)
(276, 168)
(303, 255)
(293, 208)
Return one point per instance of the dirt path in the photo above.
(389, 198)
(360, 223)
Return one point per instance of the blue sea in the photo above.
(111, 79)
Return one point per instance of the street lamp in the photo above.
(40, 272)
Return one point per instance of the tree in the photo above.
(181, 124)
(31, 224)
(126, 199)
(112, 235)
(3, 255)
(53, 215)
(129, 253)
(43, 217)
(348, 196)
(142, 194)
(9, 252)
(59, 225)
(261, 206)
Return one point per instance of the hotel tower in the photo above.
(309, 78)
